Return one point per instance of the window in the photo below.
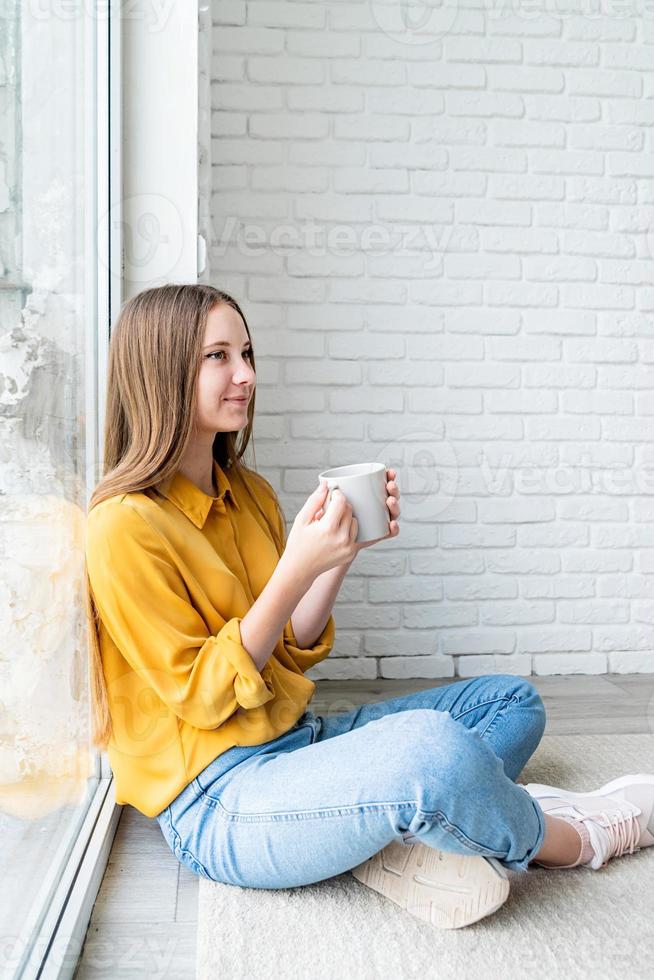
(54, 786)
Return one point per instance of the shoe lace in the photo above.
(623, 832)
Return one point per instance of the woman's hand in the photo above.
(393, 504)
(314, 546)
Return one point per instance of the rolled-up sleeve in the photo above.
(314, 654)
(147, 611)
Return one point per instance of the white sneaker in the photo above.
(619, 815)
(445, 889)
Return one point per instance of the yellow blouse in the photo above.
(172, 576)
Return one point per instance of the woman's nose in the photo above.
(243, 373)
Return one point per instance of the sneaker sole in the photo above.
(446, 890)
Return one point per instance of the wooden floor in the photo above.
(145, 917)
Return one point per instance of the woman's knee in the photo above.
(527, 694)
(523, 692)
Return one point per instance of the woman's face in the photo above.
(226, 372)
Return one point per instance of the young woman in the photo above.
(204, 617)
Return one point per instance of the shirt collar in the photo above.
(192, 501)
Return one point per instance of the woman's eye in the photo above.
(248, 352)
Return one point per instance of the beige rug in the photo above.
(575, 923)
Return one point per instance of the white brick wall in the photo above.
(444, 243)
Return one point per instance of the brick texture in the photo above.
(442, 233)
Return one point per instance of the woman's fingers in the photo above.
(391, 485)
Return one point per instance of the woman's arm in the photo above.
(314, 608)
(262, 625)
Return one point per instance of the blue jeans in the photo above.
(436, 766)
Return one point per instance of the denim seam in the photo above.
(473, 707)
(335, 811)
(194, 860)
(438, 815)
(463, 838)
(176, 838)
(177, 844)
(509, 701)
(182, 850)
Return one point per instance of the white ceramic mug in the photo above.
(364, 485)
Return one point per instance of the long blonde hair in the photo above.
(154, 359)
